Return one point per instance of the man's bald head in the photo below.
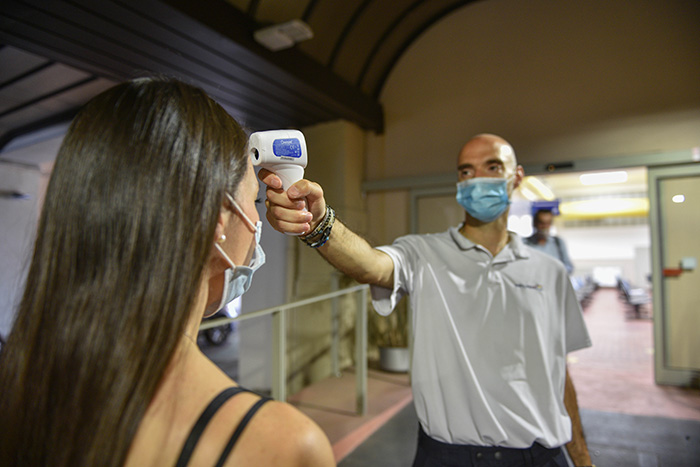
(488, 155)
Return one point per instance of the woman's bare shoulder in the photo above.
(281, 435)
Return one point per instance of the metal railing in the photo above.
(279, 326)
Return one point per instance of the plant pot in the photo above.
(395, 359)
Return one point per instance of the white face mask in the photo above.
(237, 279)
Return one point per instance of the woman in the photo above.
(148, 219)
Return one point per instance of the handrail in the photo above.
(279, 361)
(212, 323)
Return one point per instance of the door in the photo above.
(674, 195)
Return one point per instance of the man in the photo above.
(550, 244)
(492, 319)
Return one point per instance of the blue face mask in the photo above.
(484, 198)
(237, 279)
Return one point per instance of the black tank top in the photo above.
(206, 416)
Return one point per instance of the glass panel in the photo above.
(679, 203)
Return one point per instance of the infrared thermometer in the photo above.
(280, 151)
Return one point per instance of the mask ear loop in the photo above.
(240, 211)
(257, 227)
(223, 253)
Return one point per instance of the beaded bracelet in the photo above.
(320, 235)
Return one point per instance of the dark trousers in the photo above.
(434, 453)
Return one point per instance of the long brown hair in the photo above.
(124, 236)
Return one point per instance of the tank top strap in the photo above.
(239, 429)
(203, 421)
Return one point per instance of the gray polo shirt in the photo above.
(491, 336)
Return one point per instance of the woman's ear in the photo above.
(221, 225)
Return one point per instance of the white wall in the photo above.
(18, 219)
(623, 247)
(27, 170)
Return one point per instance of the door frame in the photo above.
(664, 374)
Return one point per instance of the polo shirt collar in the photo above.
(514, 247)
(517, 245)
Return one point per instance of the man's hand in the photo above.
(345, 250)
(296, 211)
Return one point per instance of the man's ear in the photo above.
(519, 175)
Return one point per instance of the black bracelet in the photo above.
(320, 235)
(317, 231)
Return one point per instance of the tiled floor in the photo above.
(331, 403)
(616, 374)
(614, 440)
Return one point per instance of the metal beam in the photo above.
(209, 43)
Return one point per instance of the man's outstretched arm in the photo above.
(345, 250)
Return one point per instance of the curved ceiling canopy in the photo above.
(54, 56)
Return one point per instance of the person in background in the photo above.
(149, 225)
(556, 247)
(550, 244)
(493, 320)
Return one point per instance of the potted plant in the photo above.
(390, 334)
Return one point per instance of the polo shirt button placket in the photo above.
(494, 276)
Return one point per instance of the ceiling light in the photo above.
(603, 178)
(604, 207)
(527, 193)
(678, 199)
(536, 185)
(284, 35)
